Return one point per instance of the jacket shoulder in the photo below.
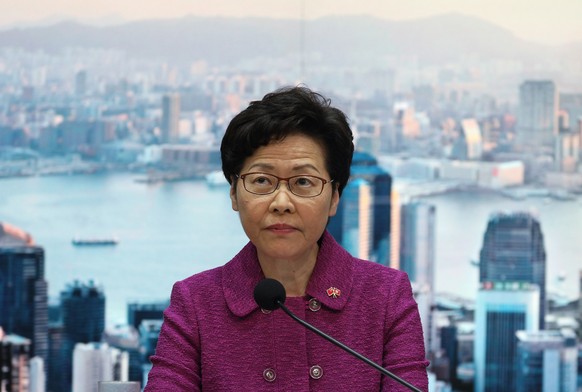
(374, 279)
(204, 281)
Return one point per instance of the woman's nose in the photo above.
(282, 199)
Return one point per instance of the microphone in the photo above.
(270, 294)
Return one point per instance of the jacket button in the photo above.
(269, 375)
(316, 372)
(314, 305)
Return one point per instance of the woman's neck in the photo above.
(294, 275)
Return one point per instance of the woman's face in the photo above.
(282, 225)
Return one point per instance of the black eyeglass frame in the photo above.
(286, 179)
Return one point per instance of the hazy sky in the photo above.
(543, 21)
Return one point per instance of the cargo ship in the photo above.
(94, 241)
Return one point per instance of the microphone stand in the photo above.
(346, 348)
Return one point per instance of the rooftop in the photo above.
(13, 236)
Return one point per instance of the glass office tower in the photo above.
(513, 250)
(417, 250)
(537, 119)
(358, 219)
(83, 321)
(365, 166)
(502, 309)
(23, 289)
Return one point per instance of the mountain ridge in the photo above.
(337, 39)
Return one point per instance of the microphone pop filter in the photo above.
(268, 292)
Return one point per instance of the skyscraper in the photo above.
(364, 166)
(567, 151)
(170, 118)
(83, 318)
(83, 312)
(547, 361)
(417, 249)
(57, 378)
(417, 241)
(469, 144)
(513, 250)
(394, 243)
(23, 289)
(502, 309)
(357, 218)
(537, 120)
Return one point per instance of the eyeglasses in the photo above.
(302, 185)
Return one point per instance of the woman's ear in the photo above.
(233, 199)
(334, 201)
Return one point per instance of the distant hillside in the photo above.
(337, 40)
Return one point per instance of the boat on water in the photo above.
(94, 241)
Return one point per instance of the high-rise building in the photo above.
(57, 378)
(170, 118)
(358, 218)
(81, 83)
(417, 249)
(513, 250)
(469, 144)
(567, 151)
(406, 124)
(14, 358)
(94, 362)
(23, 289)
(502, 309)
(369, 136)
(547, 361)
(417, 241)
(364, 166)
(83, 318)
(450, 346)
(572, 104)
(139, 311)
(537, 120)
(83, 307)
(394, 243)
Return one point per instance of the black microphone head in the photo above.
(268, 293)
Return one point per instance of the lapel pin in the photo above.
(333, 292)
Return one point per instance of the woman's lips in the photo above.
(281, 228)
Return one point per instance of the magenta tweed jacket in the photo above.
(215, 337)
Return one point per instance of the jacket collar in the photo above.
(333, 269)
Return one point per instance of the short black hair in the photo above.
(286, 111)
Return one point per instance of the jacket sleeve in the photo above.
(176, 363)
(404, 353)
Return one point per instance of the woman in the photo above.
(287, 158)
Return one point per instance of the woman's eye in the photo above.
(262, 181)
(303, 181)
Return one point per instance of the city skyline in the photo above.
(543, 22)
(111, 136)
